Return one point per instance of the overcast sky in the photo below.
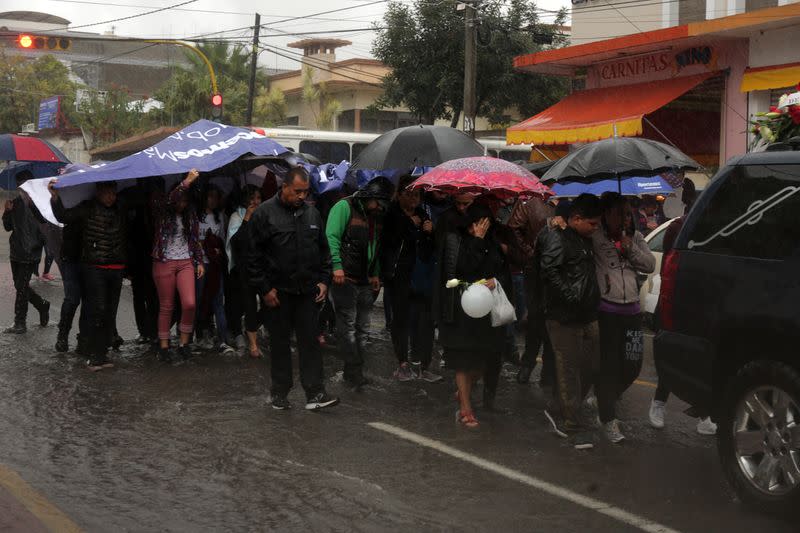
(206, 16)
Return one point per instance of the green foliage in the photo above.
(187, 94)
(270, 108)
(316, 96)
(112, 116)
(423, 43)
(25, 82)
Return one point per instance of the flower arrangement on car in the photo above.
(780, 123)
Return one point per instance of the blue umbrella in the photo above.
(8, 177)
(628, 186)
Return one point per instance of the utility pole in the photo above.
(470, 65)
(253, 61)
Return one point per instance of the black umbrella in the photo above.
(538, 168)
(417, 146)
(617, 157)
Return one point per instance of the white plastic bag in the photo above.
(503, 312)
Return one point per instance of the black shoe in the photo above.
(99, 363)
(82, 348)
(163, 355)
(16, 329)
(44, 315)
(185, 351)
(357, 381)
(117, 343)
(280, 402)
(320, 401)
(524, 375)
(62, 344)
(582, 441)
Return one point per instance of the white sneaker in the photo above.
(591, 402)
(613, 432)
(657, 411)
(706, 427)
(227, 350)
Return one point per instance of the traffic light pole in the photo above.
(470, 65)
(194, 49)
(253, 64)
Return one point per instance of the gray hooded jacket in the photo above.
(616, 273)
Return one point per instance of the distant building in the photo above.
(354, 83)
(100, 61)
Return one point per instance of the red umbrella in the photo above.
(23, 148)
(483, 175)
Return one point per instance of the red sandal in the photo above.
(467, 419)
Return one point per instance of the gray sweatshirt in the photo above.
(616, 273)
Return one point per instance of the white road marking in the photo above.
(593, 504)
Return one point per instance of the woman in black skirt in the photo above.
(470, 344)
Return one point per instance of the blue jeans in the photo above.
(353, 304)
(217, 305)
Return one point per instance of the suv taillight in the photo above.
(666, 299)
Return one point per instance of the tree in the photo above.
(111, 116)
(423, 43)
(187, 94)
(316, 96)
(270, 107)
(24, 82)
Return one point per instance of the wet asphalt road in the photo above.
(146, 447)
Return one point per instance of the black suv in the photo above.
(730, 318)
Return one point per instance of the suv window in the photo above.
(326, 152)
(656, 242)
(752, 214)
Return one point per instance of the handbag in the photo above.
(503, 312)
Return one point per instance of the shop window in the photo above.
(292, 121)
(691, 11)
(326, 152)
(753, 214)
(752, 5)
(775, 94)
(346, 121)
(514, 155)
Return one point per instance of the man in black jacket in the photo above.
(103, 258)
(289, 264)
(26, 242)
(571, 297)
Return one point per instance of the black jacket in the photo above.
(403, 242)
(288, 249)
(566, 260)
(104, 228)
(26, 240)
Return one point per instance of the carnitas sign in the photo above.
(642, 66)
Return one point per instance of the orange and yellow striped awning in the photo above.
(772, 77)
(595, 114)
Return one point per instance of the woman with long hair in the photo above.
(210, 288)
(177, 262)
(245, 300)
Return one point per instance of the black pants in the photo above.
(422, 329)
(621, 352)
(22, 272)
(103, 288)
(145, 301)
(298, 313)
(400, 304)
(243, 301)
(73, 296)
(537, 339)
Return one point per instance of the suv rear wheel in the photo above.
(759, 435)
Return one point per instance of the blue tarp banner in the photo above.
(630, 186)
(204, 145)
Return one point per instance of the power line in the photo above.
(322, 64)
(279, 53)
(125, 18)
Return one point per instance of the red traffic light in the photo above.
(216, 100)
(25, 41)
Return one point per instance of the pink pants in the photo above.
(167, 276)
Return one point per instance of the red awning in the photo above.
(595, 114)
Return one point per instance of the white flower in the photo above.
(452, 283)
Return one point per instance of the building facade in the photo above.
(693, 79)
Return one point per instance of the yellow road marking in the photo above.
(47, 513)
(646, 383)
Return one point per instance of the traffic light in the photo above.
(216, 106)
(27, 41)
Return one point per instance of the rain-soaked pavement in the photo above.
(147, 447)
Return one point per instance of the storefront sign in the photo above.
(641, 66)
(699, 55)
(635, 66)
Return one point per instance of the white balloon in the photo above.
(477, 301)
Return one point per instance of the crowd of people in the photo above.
(217, 265)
